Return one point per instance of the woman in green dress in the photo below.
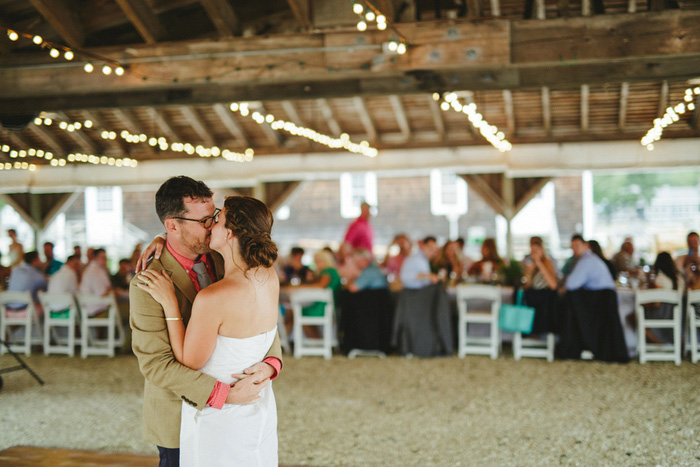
(328, 278)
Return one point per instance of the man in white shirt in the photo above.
(66, 279)
(415, 270)
(95, 279)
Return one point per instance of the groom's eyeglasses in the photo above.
(207, 222)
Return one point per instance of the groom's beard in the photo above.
(197, 244)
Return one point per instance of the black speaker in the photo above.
(16, 122)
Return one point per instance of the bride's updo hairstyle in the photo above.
(250, 220)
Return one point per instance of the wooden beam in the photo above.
(144, 20)
(438, 121)
(276, 193)
(274, 136)
(328, 116)
(663, 99)
(563, 8)
(195, 121)
(546, 111)
(118, 145)
(477, 183)
(526, 197)
(512, 55)
(79, 136)
(622, 114)
(388, 9)
(291, 110)
(300, 10)
(128, 121)
(49, 139)
(231, 124)
(63, 19)
(166, 128)
(365, 118)
(400, 114)
(585, 93)
(223, 17)
(473, 8)
(631, 6)
(510, 112)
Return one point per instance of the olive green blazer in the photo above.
(168, 382)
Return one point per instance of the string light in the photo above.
(490, 132)
(357, 8)
(59, 162)
(69, 54)
(394, 46)
(671, 116)
(336, 143)
(17, 166)
(361, 26)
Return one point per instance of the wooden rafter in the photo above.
(631, 6)
(300, 10)
(510, 112)
(291, 111)
(195, 121)
(144, 20)
(495, 8)
(126, 119)
(64, 20)
(585, 93)
(80, 137)
(622, 114)
(663, 99)
(438, 121)
(387, 7)
(563, 8)
(365, 118)
(223, 17)
(540, 12)
(231, 124)
(328, 116)
(401, 118)
(274, 136)
(469, 99)
(166, 128)
(546, 111)
(117, 144)
(48, 138)
(536, 186)
(585, 7)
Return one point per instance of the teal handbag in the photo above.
(516, 318)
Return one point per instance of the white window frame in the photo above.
(437, 205)
(352, 196)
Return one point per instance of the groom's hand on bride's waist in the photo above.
(246, 390)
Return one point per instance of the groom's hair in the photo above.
(171, 195)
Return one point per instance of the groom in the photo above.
(186, 209)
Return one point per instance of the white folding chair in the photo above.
(467, 344)
(54, 303)
(532, 347)
(308, 346)
(692, 310)
(89, 343)
(26, 318)
(659, 352)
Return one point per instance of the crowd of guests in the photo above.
(30, 272)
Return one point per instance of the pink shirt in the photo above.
(218, 396)
(360, 234)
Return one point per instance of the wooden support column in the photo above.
(585, 93)
(546, 111)
(622, 115)
(437, 118)
(510, 112)
(509, 203)
(223, 17)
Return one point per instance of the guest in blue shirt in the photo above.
(371, 277)
(52, 265)
(415, 271)
(27, 277)
(590, 272)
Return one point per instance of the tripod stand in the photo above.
(22, 365)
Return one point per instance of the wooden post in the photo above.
(509, 212)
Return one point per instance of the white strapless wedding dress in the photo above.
(237, 434)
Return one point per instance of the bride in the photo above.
(233, 325)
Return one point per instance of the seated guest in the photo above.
(595, 248)
(489, 263)
(4, 274)
(345, 264)
(590, 272)
(623, 259)
(571, 262)
(463, 258)
(540, 272)
(294, 272)
(689, 264)
(415, 271)
(66, 279)
(448, 259)
(51, 265)
(371, 277)
(392, 264)
(95, 279)
(120, 279)
(27, 277)
(667, 275)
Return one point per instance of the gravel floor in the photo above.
(396, 411)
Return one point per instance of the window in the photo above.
(356, 188)
(448, 194)
(283, 213)
(105, 200)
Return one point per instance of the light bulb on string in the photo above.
(107, 70)
(361, 26)
(13, 36)
(69, 55)
(88, 67)
(357, 8)
(54, 53)
(37, 40)
(401, 48)
(381, 26)
(119, 71)
(370, 16)
(393, 46)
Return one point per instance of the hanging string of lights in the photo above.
(490, 132)
(367, 14)
(162, 143)
(55, 162)
(671, 116)
(276, 124)
(55, 51)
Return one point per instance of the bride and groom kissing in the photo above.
(203, 315)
